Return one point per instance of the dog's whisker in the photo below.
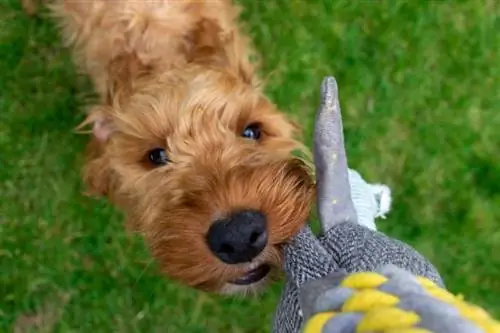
(143, 271)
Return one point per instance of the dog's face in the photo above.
(203, 167)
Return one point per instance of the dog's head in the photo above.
(203, 166)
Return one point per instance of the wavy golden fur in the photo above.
(177, 74)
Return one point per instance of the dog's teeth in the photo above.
(254, 266)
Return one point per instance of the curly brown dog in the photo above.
(184, 140)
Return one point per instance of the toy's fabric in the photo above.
(349, 244)
(347, 247)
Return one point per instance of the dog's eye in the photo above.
(158, 156)
(252, 132)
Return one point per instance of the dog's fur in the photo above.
(177, 74)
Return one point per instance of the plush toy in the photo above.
(353, 278)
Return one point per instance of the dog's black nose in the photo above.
(238, 238)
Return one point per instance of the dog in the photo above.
(184, 140)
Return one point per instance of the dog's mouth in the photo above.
(253, 276)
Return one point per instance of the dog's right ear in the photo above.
(101, 125)
(97, 174)
(102, 128)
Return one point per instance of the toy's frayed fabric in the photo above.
(346, 245)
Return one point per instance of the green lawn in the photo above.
(420, 92)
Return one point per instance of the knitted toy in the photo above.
(353, 278)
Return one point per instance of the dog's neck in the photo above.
(123, 72)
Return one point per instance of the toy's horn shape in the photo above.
(333, 190)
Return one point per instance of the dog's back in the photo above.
(129, 36)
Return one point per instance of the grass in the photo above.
(419, 87)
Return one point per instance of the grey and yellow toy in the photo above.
(352, 278)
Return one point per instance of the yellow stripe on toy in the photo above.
(442, 295)
(363, 280)
(478, 316)
(381, 320)
(471, 312)
(489, 326)
(315, 324)
(425, 282)
(408, 330)
(366, 300)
